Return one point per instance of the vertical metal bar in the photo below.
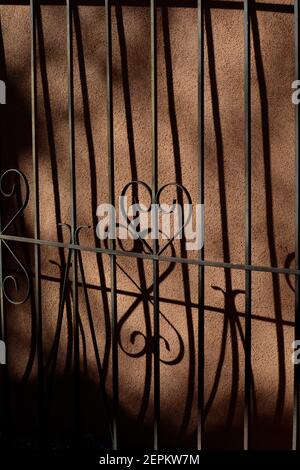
(154, 188)
(247, 151)
(3, 376)
(71, 117)
(2, 315)
(296, 408)
(112, 244)
(37, 277)
(72, 169)
(200, 430)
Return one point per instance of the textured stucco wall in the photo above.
(273, 211)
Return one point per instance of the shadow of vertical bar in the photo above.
(72, 171)
(154, 188)
(35, 170)
(111, 183)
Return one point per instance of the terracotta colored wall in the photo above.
(273, 212)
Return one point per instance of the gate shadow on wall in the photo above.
(228, 433)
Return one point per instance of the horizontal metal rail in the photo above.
(214, 4)
(150, 256)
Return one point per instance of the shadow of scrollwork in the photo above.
(135, 233)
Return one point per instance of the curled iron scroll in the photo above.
(19, 178)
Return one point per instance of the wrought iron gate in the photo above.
(74, 264)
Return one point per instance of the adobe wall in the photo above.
(272, 202)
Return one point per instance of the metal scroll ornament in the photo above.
(8, 190)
